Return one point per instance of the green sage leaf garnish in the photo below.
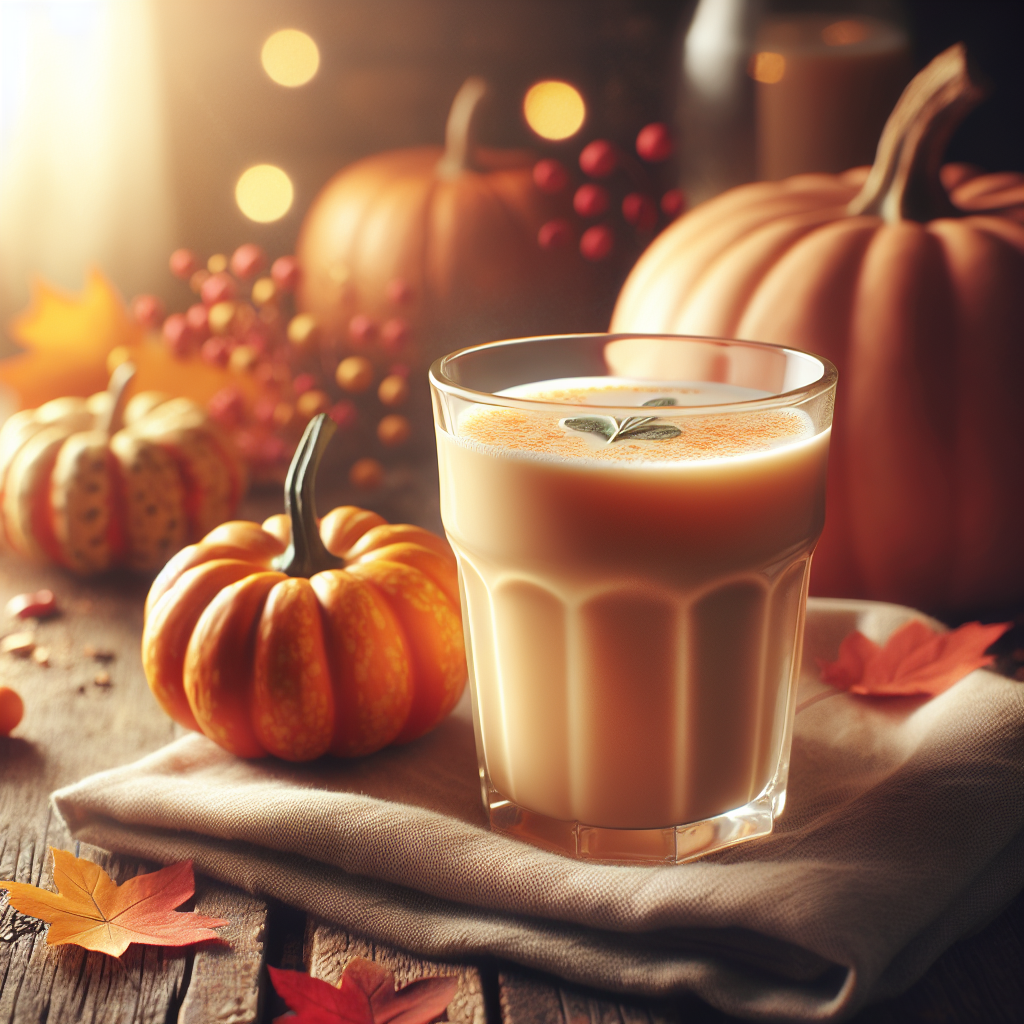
(603, 425)
(654, 432)
(634, 427)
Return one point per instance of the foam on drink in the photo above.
(633, 606)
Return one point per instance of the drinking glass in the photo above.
(633, 518)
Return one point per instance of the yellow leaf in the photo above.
(67, 339)
(91, 910)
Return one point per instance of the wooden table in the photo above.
(74, 726)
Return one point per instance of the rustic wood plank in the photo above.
(530, 998)
(226, 985)
(73, 727)
(329, 948)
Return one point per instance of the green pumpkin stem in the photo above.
(306, 554)
(458, 135)
(117, 388)
(904, 181)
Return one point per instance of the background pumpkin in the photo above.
(432, 249)
(910, 281)
(295, 640)
(91, 483)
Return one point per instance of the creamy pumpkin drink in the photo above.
(633, 519)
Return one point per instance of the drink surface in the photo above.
(705, 437)
(633, 605)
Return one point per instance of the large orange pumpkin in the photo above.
(91, 483)
(298, 640)
(912, 283)
(413, 253)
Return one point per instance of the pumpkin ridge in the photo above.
(899, 421)
(292, 699)
(27, 504)
(170, 625)
(218, 664)
(987, 405)
(370, 215)
(761, 248)
(661, 287)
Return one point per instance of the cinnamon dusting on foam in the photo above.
(710, 436)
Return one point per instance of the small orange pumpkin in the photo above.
(294, 640)
(912, 283)
(91, 483)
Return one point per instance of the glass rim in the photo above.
(442, 382)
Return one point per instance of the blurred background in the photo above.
(125, 127)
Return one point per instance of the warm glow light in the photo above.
(264, 193)
(768, 67)
(554, 110)
(844, 33)
(290, 57)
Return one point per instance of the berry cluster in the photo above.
(592, 200)
(244, 323)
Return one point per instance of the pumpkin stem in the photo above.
(118, 391)
(458, 133)
(904, 181)
(306, 553)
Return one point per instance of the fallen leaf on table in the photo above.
(90, 909)
(366, 995)
(914, 660)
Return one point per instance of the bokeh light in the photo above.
(554, 110)
(290, 57)
(264, 193)
(844, 33)
(768, 67)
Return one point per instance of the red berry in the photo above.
(148, 310)
(199, 320)
(247, 261)
(673, 202)
(654, 143)
(590, 200)
(178, 335)
(227, 406)
(303, 382)
(394, 334)
(598, 159)
(640, 211)
(184, 263)
(596, 243)
(344, 413)
(263, 410)
(218, 288)
(285, 273)
(256, 340)
(550, 176)
(40, 605)
(361, 330)
(555, 234)
(399, 291)
(215, 351)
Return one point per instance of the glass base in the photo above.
(675, 844)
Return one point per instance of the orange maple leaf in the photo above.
(90, 909)
(68, 339)
(914, 660)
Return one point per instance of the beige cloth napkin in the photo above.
(902, 832)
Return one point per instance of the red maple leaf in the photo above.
(914, 660)
(366, 995)
(90, 909)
